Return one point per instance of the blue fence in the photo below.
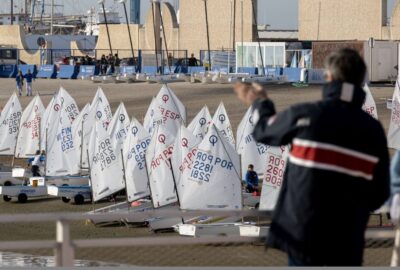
(47, 72)
(68, 72)
(88, 71)
(8, 71)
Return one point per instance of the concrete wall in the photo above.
(192, 29)
(190, 34)
(13, 35)
(342, 19)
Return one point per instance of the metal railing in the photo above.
(64, 246)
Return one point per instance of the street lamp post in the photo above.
(129, 30)
(101, 2)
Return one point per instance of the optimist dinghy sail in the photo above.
(48, 117)
(61, 99)
(185, 149)
(29, 130)
(213, 181)
(251, 152)
(134, 150)
(77, 132)
(273, 176)
(148, 121)
(158, 156)
(62, 158)
(369, 105)
(100, 111)
(169, 110)
(118, 128)
(105, 165)
(69, 105)
(222, 123)
(9, 125)
(394, 126)
(200, 123)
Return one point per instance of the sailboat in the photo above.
(212, 182)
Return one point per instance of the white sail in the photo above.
(29, 130)
(100, 111)
(273, 176)
(183, 156)
(61, 99)
(69, 105)
(48, 117)
(134, 151)
(105, 165)
(169, 110)
(214, 180)
(158, 164)
(77, 132)
(222, 123)
(394, 126)
(200, 123)
(61, 157)
(118, 128)
(250, 151)
(369, 105)
(9, 125)
(148, 121)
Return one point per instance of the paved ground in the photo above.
(137, 98)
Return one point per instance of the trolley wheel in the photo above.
(79, 199)
(257, 205)
(65, 199)
(6, 198)
(7, 184)
(22, 198)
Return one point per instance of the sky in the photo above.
(279, 14)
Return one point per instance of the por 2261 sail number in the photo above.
(275, 170)
(204, 165)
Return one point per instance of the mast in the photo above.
(165, 39)
(155, 31)
(129, 30)
(52, 17)
(208, 35)
(258, 37)
(105, 20)
(234, 26)
(12, 12)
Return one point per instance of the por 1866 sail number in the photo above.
(275, 171)
(105, 154)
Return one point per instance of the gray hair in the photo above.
(346, 65)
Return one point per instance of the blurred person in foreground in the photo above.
(338, 168)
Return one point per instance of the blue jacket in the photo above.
(19, 79)
(338, 167)
(29, 77)
(251, 178)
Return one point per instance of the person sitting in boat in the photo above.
(251, 179)
(192, 61)
(35, 163)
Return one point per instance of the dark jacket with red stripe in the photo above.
(338, 172)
